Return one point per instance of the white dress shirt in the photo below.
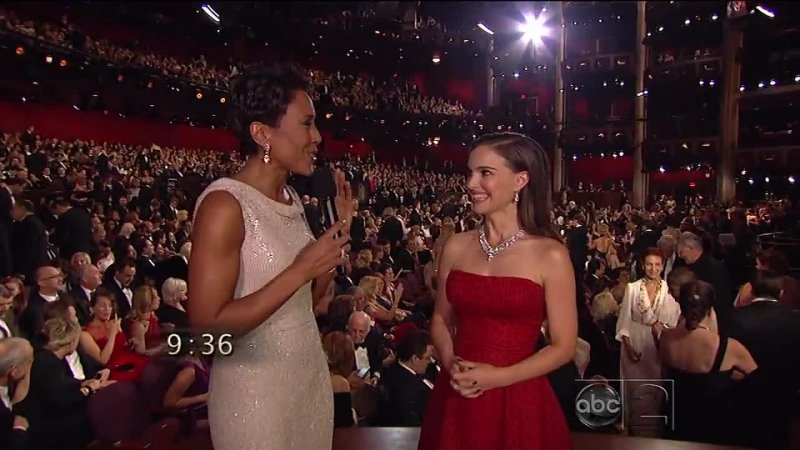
(75, 366)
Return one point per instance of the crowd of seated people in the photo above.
(360, 92)
(101, 282)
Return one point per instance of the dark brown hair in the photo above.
(652, 251)
(696, 299)
(523, 154)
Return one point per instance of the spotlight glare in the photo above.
(199, 95)
(533, 29)
(791, 179)
(48, 59)
(765, 11)
(485, 28)
(20, 51)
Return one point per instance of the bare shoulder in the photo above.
(218, 215)
(340, 383)
(548, 251)
(459, 241)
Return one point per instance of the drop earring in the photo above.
(516, 197)
(266, 153)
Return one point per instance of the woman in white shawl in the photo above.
(647, 303)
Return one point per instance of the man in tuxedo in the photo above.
(50, 283)
(28, 240)
(146, 271)
(16, 358)
(73, 229)
(407, 390)
(120, 285)
(367, 341)
(771, 333)
(89, 279)
(405, 258)
(175, 267)
(708, 269)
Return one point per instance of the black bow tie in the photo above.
(361, 345)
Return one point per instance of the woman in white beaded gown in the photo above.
(647, 304)
(251, 272)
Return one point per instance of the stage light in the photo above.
(222, 100)
(797, 78)
(772, 82)
(766, 179)
(516, 74)
(63, 63)
(662, 169)
(791, 179)
(48, 59)
(149, 85)
(211, 13)
(120, 78)
(485, 28)
(20, 51)
(765, 11)
(533, 29)
(436, 58)
(199, 95)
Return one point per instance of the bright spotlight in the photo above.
(211, 13)
(485, 28)
(765, 11)
(533, 29)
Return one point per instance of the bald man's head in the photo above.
(358, 326)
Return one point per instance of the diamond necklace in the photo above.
(490, 251)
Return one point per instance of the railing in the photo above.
(787, 242)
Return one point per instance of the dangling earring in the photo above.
(516, 197)
(266, 147)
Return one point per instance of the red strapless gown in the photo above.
(499, 319)
(124, 363)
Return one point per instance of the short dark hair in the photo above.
(123, 263)
(262, 94)
(767, 283)
(415, 343)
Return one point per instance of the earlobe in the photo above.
(522, 180)
(258, 131)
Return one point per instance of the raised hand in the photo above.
(324, 254)
(344, 199)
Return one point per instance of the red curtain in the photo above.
(598, 170)
(465, 91)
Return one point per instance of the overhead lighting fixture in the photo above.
(210, 13)
(533, 29)
(485, 28)
(436, 58)
(765, 11)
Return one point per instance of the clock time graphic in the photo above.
(206, 344)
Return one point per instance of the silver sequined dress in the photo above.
(274, 391)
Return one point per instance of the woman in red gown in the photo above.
(496, 286)
(104, 340)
